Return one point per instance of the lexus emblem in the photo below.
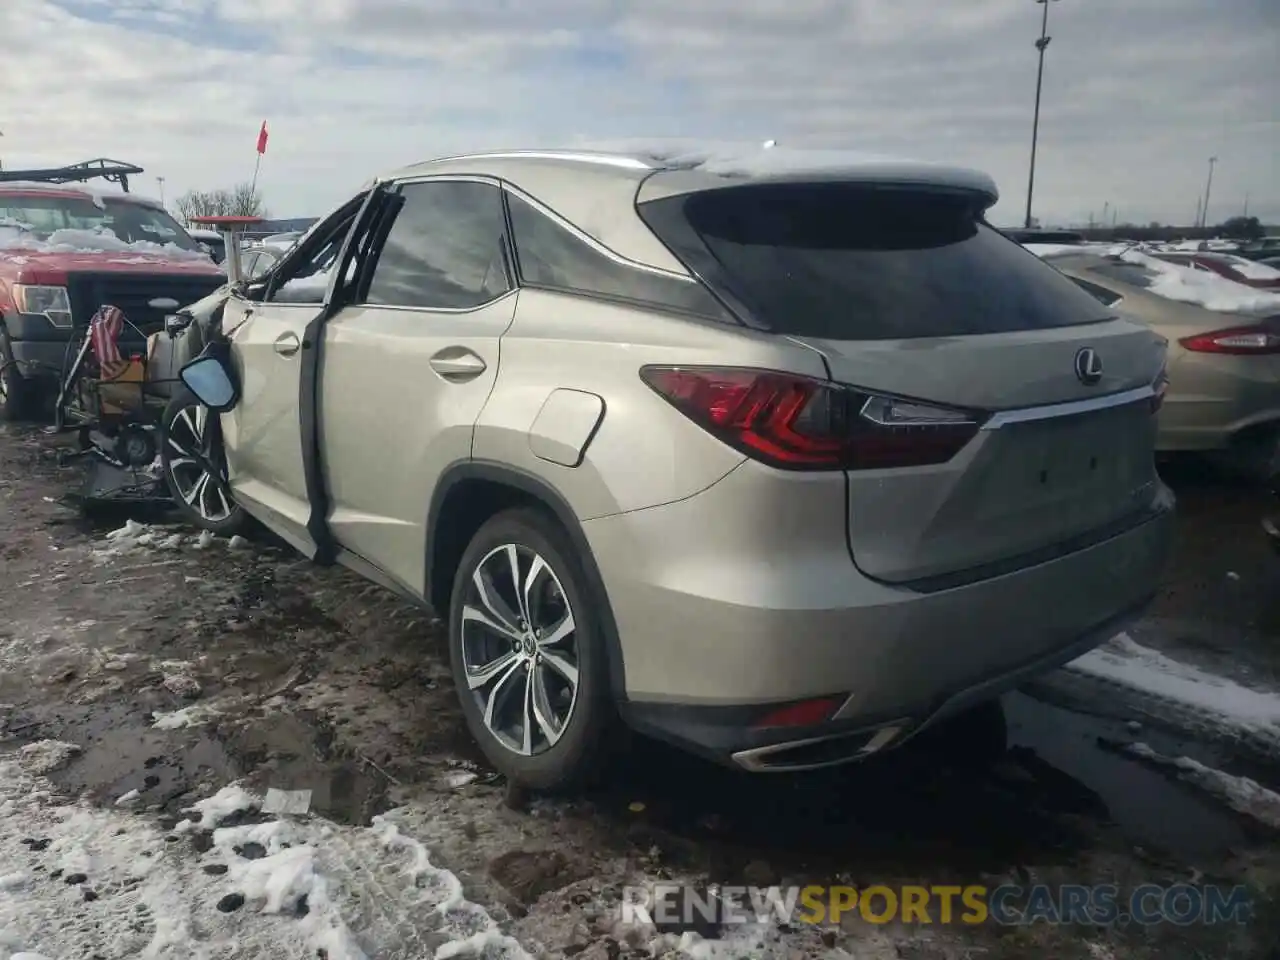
(1088, 366)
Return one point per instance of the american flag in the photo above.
(104, 332)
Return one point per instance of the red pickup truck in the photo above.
(65, 250)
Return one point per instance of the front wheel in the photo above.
(20, 396)
(527, 653)
(194, 466)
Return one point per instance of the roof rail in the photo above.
(113, 171)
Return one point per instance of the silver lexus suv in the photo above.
(780, 457)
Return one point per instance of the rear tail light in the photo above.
(1239, 341)
(804, 713)
(796, 423)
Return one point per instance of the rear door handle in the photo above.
(458, 364)
(287, 344)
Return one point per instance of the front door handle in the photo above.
(287, 344)
(458, 364)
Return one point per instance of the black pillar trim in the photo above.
(309, 391)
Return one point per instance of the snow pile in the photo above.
(1046, 251)
(283, 888)
(1209, 290)
(308, 289)
(193, 716)
(46, 756)
(213, 810)
(134, 535)
(99, 195)
(14, 237)
(1251, 269)
(1240, 793)
(1226, 702)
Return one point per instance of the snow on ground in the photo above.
(1209, 290)
(1228, 703)
(134, 536)
(76, 881)
(1240, 793)
(45, 756)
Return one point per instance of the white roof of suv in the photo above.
(722, 160)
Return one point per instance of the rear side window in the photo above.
(444, 249)
(555, 258)
(845, 261)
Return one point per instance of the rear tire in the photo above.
(20, 397)
(194, 466)
(530, 667)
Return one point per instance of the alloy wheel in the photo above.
(197, 475)
(519, 649)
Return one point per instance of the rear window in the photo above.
(844, 261)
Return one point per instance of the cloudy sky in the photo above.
(1138, 93)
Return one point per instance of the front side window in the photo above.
(305, 278)
(555, 258)
(444, 250)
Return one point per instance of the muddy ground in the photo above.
(178, 668)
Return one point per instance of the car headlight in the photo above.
(51, 302)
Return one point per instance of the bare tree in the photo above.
(242, 200)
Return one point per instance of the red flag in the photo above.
(262, 138)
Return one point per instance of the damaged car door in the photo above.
(415, 346)
(268, 321)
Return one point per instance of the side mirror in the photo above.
(212, 383)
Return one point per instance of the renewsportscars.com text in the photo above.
(1009, 905)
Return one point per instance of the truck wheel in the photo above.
(19, 396)
(528, 655)
(195, 468)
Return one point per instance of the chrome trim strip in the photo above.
(414, 309)
(755, 759)
(592, 242)
(604, 159)
(847, 709)
(1070, 408)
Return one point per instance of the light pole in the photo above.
(1041, 44)
(1204, 210)
(160, 180)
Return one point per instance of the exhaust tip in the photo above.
(814, 753)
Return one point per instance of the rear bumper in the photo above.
(725, 735)
(726, 610)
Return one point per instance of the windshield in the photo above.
(43, 215)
